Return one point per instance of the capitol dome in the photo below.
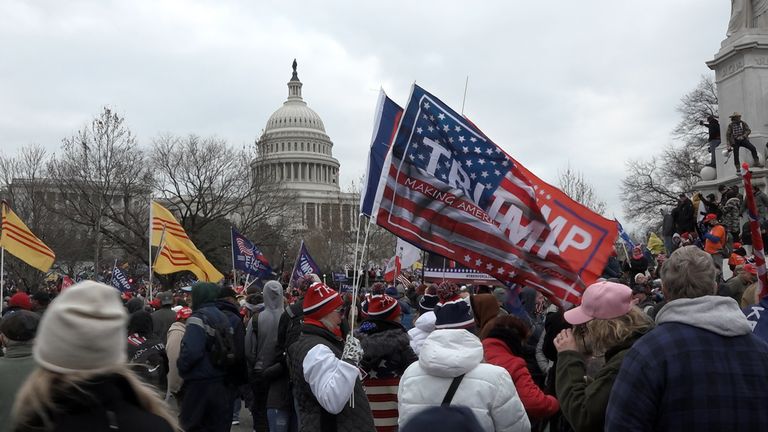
(294, 148)
(294, 114)
(296, 153)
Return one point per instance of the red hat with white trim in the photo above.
(383, 307)
(321, 300)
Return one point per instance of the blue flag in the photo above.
(624, 236)
(387, 115)
(119, 280)
(339, 277)
(248, 258)
(304, 264)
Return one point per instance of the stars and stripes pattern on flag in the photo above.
(20, 242)
(450, 190)
(403, 279)
(248, 258)
(754, 227)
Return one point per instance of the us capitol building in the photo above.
(295, 150)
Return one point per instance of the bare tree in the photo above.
(654, 184)
(695, 106)
(105, 182)
(574, 185)
(210, 186)
(24, 184)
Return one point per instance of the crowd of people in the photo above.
(660, 346)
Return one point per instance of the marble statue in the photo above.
(747, 14)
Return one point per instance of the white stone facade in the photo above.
(295, 150)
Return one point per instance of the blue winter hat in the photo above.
(454, 314)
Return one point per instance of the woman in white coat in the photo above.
(452, 356)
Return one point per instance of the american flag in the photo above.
(453, 191)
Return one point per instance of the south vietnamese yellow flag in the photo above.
(177, 255)
(163, 218)
(19, 241)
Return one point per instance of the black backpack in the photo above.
(221, 341)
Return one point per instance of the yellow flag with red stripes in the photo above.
(177, 255)
(19, 241)
(162, 218)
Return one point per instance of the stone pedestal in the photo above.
(741, 75)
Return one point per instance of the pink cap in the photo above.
(601, 300)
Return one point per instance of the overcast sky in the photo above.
(591, 83)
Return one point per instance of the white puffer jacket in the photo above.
(423, 326)
(486, 389)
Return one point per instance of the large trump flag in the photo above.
(445, 187)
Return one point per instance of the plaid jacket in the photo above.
(683, 378)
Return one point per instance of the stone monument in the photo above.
(741, 75)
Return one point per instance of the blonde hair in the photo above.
(35, 404)
(606, 334)
(750, 296)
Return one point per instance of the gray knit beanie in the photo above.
(84, 329)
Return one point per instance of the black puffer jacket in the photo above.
(387, 351)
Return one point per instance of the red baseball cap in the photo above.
(750, 268)
(709, 217)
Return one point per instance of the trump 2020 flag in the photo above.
(304, 264)
(119, 280)
(447, 188)
(248, 258)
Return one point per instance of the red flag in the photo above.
(754, 227)
(393, 269)
(66, 282)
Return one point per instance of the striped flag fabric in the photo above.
(176, 255)
(162, 218)
(754, 227)
(447, 188)
(20, 242)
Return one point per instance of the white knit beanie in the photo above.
(84, 329)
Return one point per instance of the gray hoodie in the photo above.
(719, 315)
(261, 336)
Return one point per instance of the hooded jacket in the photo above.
(15, 367)
(175, 334)
(537, 404)
(424, 325)
(194, 362)
(699, 369)
(261, 336)
(486, 389)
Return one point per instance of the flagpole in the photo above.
(463, 101)
(149, 260)
(112, 276)
(2, 277)
(160, 247)
(355, 290)
(245, 285)
(232, 244)
(357, 244)
(298, 255)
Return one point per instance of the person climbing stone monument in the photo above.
(738, 136)
(747, 14)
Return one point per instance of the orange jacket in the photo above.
(710, 245)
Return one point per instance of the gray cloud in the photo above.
(589, 83)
